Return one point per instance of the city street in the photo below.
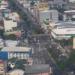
(38, 42)
(41, 54)
(37, 37)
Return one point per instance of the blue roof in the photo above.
(3, 55)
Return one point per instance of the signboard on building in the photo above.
(3, 55)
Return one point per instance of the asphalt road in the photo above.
(41, 55)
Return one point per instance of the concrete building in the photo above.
(42, 15)
(11, 43)
(69, 15)
(16, 72)
(39, 7)
(71, 4)
(58, 3)
(14, 16)
(8, 14)
(42, 69)
(42, 6)
(4, 4)
(46, 17)
(10, 22)
(52, 15)
(41, 12)
(63, 30)
(9, 25)
(16, 52)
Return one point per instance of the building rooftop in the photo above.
(16, 49)
(64, 28)
(65, 23)
(34, 69)
(9, 24)
(70, 31)
(11, 43)
(69, 11)
(16, 72)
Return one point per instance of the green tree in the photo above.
(32, 3)
(19, 63)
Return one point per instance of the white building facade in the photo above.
(9, 25)
(63, 30)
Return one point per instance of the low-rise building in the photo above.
(9, 25)
(11, 43)
(42, 15)
(71, 4)
(16, 52)
(16, 72)
(52, 15)
(10, 22)
(58, 3)
(37, 69)
(6, 12)
(4, 4)
(69, 15)
(14, 16)
(63, 30)
(42, 69)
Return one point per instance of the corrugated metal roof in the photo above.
(37, 69)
